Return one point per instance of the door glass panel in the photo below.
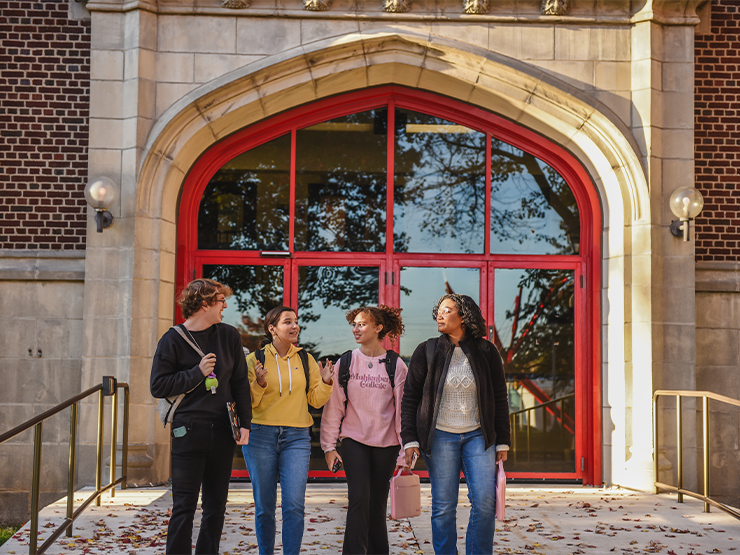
(256, 290)
(341, 184)
(325, 294)
(439, 186)
(534, 331)
(245, 205)
(420, 289)
(533, 210)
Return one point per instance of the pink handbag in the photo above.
(405, 495)
(500, 492)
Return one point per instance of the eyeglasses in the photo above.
(223, 300)
(446, 310)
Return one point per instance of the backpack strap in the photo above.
(303, 355)
(390, 360)
(345, 361)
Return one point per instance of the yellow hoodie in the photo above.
(289, 408)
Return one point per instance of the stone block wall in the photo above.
(44, 107)
(717, 124)
(41, 300)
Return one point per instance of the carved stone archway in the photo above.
(493, 82)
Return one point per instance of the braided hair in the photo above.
(386, 316)
(473, 322)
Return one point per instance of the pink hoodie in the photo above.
(372, 417)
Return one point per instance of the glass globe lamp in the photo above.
(685, 203)
(100, 194)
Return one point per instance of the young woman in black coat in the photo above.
(455, 412)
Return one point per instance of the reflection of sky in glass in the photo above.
(420, 289)
(506, 290)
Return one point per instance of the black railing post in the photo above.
(35, 488)
(99, 452)
(72, 466)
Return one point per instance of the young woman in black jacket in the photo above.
(455, 411)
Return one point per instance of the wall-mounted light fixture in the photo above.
(685, 203)
(100, 193)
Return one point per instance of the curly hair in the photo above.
(200, 291)
(271, 319)
(386, 316)
(473, 322)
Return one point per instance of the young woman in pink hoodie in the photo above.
(367, 421)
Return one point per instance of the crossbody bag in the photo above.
(166, 407)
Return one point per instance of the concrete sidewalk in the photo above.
(551, 520)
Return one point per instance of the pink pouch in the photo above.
(405, 495)
(500, 492)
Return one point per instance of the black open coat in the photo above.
(424, 384)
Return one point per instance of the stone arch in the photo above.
(512, 89)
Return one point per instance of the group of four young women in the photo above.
(450, 405)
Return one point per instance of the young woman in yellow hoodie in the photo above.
(280, 443)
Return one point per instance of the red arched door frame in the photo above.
(586, 264)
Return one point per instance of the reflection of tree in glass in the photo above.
(542, 344)
(341, 184)
(245, 205)
(441, 174)
(343, 287)
(345, 212)
(526, 195)
(257, 289)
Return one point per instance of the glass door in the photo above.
(534, 326)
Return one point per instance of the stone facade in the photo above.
(610, 82)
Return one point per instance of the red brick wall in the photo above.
(717, 134)
(44, 105)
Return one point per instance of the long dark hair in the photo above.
(473, 323)
(271, 319)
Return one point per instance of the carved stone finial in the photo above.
(475, 6)
(396, 6)
(236, 4)
(555, 7)
(316, 5)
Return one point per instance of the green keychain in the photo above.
(211, 383)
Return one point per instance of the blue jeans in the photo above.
(278, 452)
(452, 453)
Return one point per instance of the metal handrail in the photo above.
(109, 387)
(679, 395)
(512, 418)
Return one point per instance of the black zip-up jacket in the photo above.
(423, 392)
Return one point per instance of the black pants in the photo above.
(369, 471)
(202, 457)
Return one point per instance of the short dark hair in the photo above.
(474, 325)
(200, 291)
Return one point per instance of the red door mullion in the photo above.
(390, 200)
(291, 201)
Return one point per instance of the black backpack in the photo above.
(345, 361)
(302, 354)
